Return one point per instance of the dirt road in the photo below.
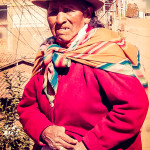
(137, 32)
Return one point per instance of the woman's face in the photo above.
(65, 19)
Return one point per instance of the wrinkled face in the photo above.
(65, 19)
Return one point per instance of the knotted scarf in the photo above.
(96, 47)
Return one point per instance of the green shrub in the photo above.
(12, 135)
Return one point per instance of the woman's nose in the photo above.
(61, 18)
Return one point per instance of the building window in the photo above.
(147, 14)
(3, 12)
(3, 28)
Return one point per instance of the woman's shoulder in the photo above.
(105, 34)
(36, 79)
(50, 40)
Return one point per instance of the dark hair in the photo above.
(94, 22)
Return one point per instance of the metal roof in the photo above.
(8, 61)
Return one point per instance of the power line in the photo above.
(33, 14)
(30, 15)
(18, 31)
(35, 24)
(108, 9)
(34, 9)
(16, 36)
(138, 34)
(11, 32)
(26, 19)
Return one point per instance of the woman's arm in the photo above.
(129, 107)
(34, 110)
(33, 121)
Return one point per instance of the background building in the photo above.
(23, 27)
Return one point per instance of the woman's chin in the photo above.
(63, 41)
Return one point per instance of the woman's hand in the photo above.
(80, 146)
(56, 138)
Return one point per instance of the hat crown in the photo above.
(44, 3)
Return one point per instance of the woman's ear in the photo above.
(88, 15)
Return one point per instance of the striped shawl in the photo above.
(96, 47)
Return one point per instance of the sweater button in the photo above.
(52, 104)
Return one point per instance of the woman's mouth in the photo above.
(61, 30)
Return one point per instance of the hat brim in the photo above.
(96, 3)
(41, 3)
(45, 3)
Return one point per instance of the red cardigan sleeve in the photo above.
(129, 108)
(33, 121)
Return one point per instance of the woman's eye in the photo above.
(52, 12)
(67, 10)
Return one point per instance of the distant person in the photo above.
(86, 91)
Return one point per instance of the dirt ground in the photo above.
(137, 32)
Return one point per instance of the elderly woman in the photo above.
(87, 91)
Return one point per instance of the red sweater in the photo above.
(105, 110)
